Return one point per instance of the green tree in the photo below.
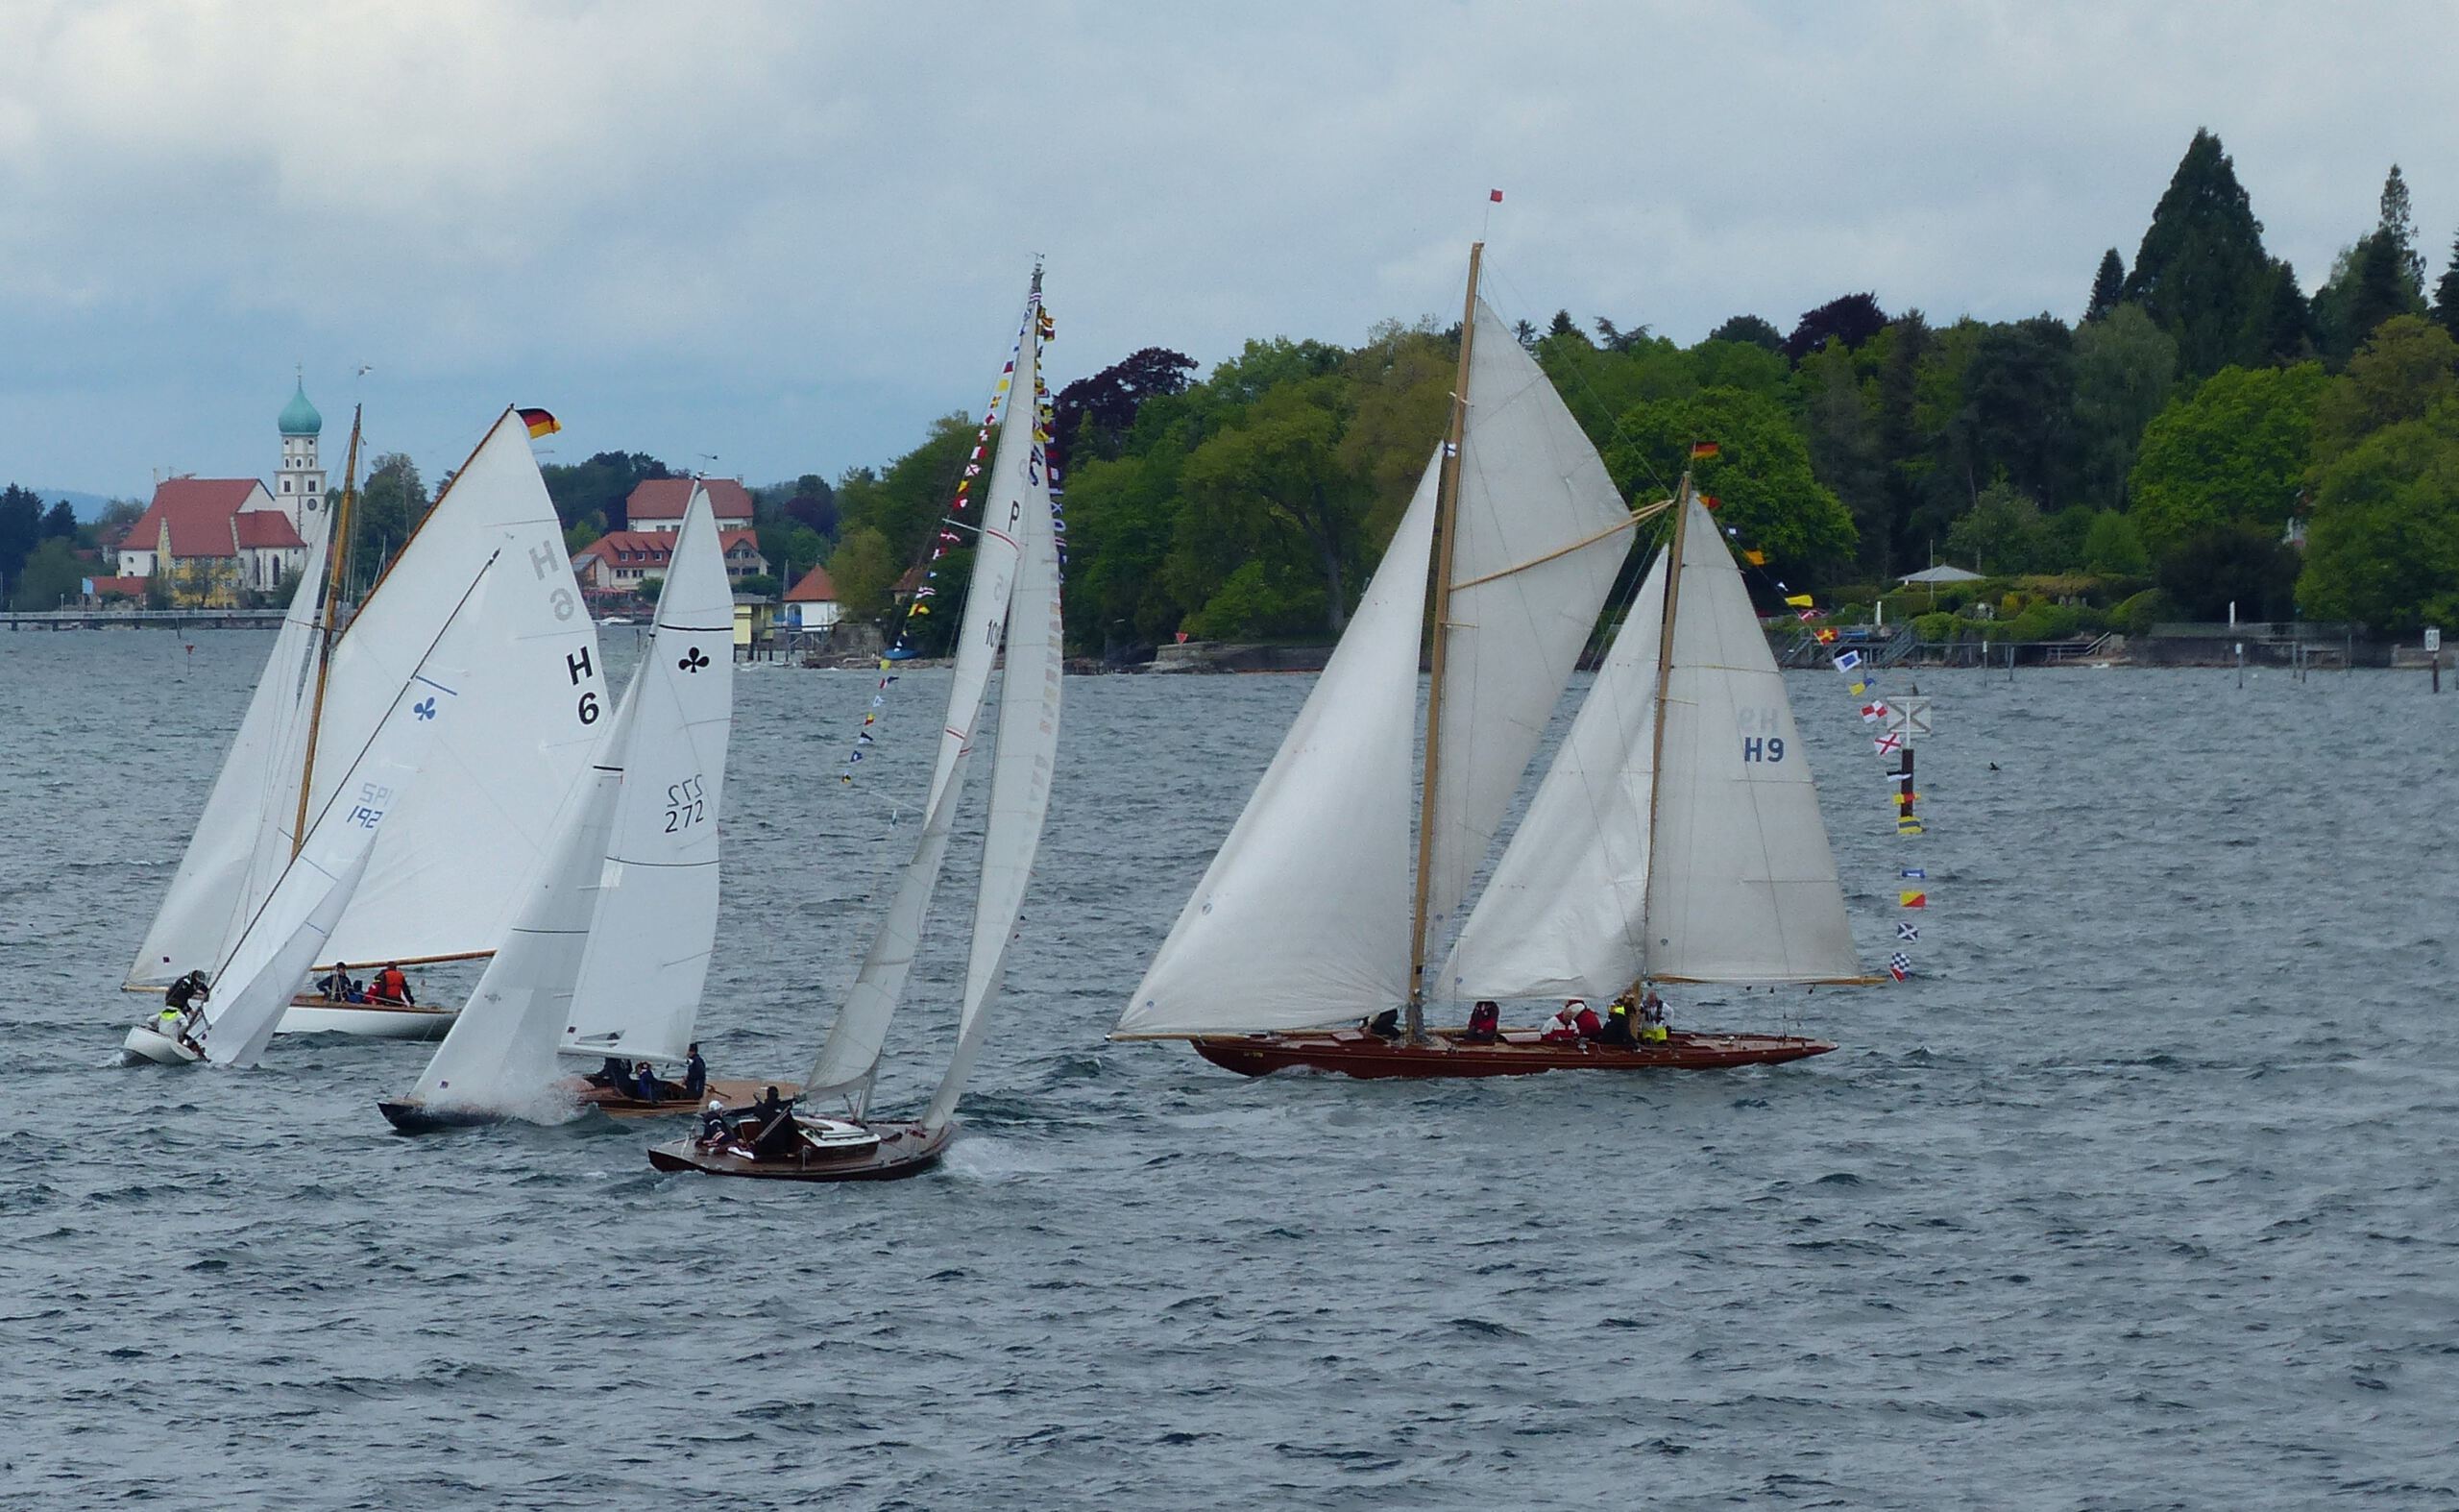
(1122, 515)
(1750, 330)
(2283, 328)
(2003, 533)
(865, 571)
(2238, 562)
(907, 500)
(2125, 367)
(20, 529)
(1840, 425)
(2409, 366)
(2229, 451)
(60, 522)
(2112, 547)
(602, 486)
(2445, 293)
(581, 533)
(2383, 545)
(2202, 271)
(2109, 286)
(1760, 476)
(1275, 487)
(50, 576)
(390, 504)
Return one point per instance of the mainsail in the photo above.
(656, 919)
(850, 1055)
(610, 949)
(446, 875)
(1020, 772)
(238, 850)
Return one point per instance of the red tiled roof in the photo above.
(265, 527)
(199, 510)
(654, 547)
(665, 498)
(815, 587)
(125, 587)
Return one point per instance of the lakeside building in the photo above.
(619, 561)
(212, 539)
(810, 605)
(656, 504)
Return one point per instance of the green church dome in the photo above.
(299, 418)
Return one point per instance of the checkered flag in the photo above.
(1899, 965)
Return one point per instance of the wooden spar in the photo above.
(1446, 502)
(336, 575)
(1664, 686)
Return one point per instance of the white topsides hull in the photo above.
(369, 1020)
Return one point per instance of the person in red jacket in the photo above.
(1565, 1029)
(391, 986)
(1590, 1026)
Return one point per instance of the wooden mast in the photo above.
(337, 576)
(1447, 510)
(1664, 686)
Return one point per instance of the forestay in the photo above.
(1302, 917)
(1540, 532)
(242, 839)
(656, 915)
(1563, 914)
(851, 1054)
(1742, 888)
(448, 874)
(1020, 773)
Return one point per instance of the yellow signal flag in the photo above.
(1799, 601)
(1755, 558)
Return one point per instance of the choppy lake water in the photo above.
(2139, 1194)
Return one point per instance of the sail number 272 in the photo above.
(686, 804)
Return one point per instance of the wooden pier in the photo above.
(121, 619)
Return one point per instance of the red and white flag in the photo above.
(1873, 711)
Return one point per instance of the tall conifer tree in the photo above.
(2446, 294)
(2109, 286)
(2201, 271)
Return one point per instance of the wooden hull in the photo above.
(900, 1150)
(1518, 1053)
(316, 1015)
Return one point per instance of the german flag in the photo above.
(1701, 449)
(539, 422)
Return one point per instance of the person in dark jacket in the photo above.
(644, 1082)
(1618, 1025)
(1485, 1024)
(695, 1075)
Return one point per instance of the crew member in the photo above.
(1385, 1025)
(1618, 1024)
(1586, 1018)
(1485, 1024)
(695, 1074)
(1565, 1029)
(613, 1076)
(644, 1082)
(392, 986)
(334, 985)
(1652, 1030)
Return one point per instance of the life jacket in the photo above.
(391, 983)
(1588, 1027)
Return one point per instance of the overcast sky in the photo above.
(790, 234)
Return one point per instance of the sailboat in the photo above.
(1014, 599)
(611, 947)
(446, 873)
(273, 955)
(1676, 837)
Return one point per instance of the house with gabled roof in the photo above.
(213, 539)
(657, 503)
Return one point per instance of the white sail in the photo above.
(852, 1051)
(499, 1054)
(1741, 885)
(448, 874)
(656, 916)
(1020, 772)
(1302, 919)
(271, 959)
(1562, 917)
(1539, 535)
(241, 840)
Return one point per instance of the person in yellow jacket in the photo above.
(1652, 1030)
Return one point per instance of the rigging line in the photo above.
(1618, 527)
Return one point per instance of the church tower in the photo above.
(299, 485)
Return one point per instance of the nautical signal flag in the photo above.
(1914, 873)
(1911, 899)
(1846, 661)
(1873, 711)
(539, 422)
(1755, 558)
(1908, 825)
(1857, 688)
(1708, 500)
(1799, 601)
(1825, 635)
(1806, 616)
(1702, 449)
(1908, 932)
(1495, 195)
(1889, 743)
(1899, 965)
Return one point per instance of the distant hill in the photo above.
(88, 507)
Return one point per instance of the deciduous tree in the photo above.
(2230, 452)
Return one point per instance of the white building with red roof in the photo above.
(211, 539)
(657, 503)
(810, 605)
(619, 561)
